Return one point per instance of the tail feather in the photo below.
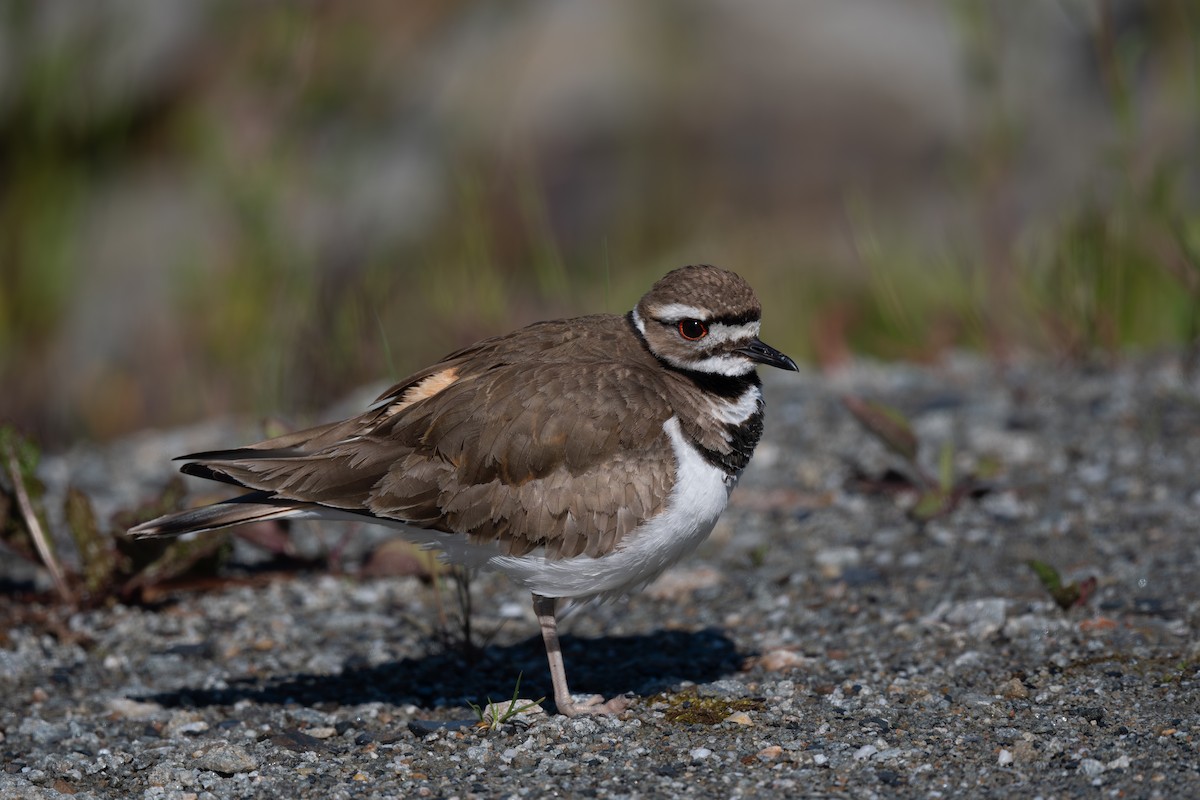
(269, 469)
(254, 507)
(296, 443)
(242, 453)
(207, 472)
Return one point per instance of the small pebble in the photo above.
(225, 759)
(124, 708)
(865, 752)
(780, 660)
(322, 732)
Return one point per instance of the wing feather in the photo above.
(538, 439)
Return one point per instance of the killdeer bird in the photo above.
(579, 457)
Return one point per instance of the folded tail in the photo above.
(253, 507)
(313, 464)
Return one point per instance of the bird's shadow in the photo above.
(611, 665)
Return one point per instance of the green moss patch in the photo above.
(689, 707)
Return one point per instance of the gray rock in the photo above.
(982, 618)
(41, 731)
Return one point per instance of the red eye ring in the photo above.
(692, 329)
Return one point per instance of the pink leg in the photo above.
(546, 610)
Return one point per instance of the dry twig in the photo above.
(29, 514)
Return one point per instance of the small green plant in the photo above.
(1067, 596)
(938, 494)
(110, 565)
(493, 715)
(462, 636)
(758, 555)
(25, 531)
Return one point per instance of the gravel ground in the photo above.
(820, 643)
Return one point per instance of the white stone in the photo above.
(865, 752)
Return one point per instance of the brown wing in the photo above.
(564, 450)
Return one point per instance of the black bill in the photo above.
(763, 353)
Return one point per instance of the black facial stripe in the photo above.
(727, 387)
(744, 318)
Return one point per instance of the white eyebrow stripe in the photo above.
(674, 312)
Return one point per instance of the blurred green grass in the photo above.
(262, 323)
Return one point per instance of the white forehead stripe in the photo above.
(720, 332)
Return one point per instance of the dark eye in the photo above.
(692, 329)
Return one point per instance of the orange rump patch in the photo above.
(424, 390)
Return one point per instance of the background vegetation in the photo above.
(210, 207)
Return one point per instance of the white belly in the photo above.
(700, 494)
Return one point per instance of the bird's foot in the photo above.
(594, 705)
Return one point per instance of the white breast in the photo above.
(700, 494)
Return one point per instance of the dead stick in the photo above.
(35, 527)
